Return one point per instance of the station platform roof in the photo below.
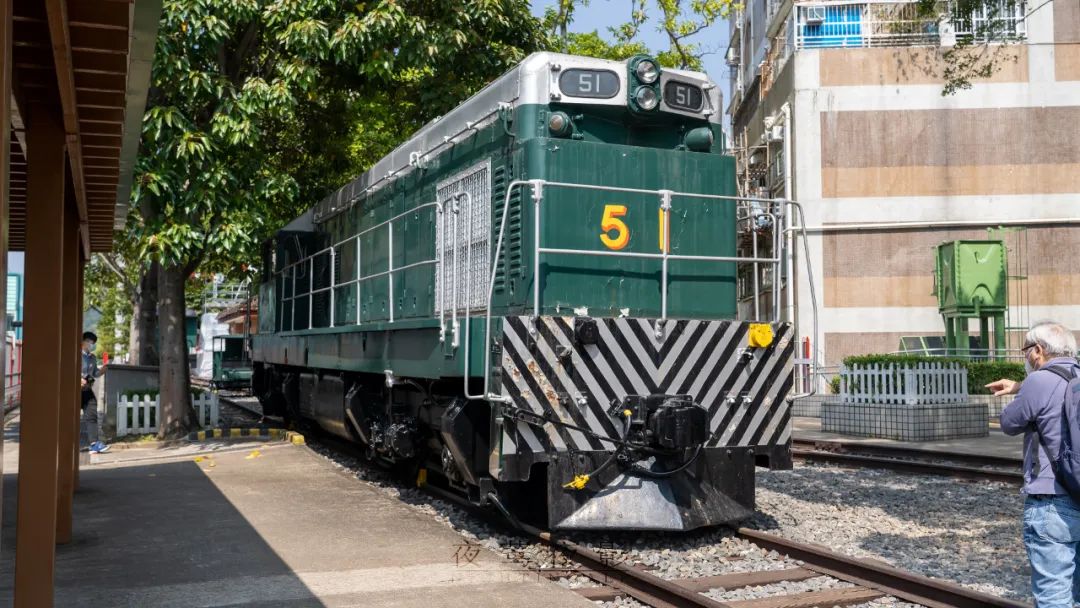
(91, 60)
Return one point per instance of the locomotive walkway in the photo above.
(257, 524)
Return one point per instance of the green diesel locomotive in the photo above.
(534, 297)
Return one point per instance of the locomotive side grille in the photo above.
(465, 259)
(744, 395)
(509, 267)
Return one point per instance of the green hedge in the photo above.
(980, 373)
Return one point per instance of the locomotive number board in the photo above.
(600, 84)
(683, 96)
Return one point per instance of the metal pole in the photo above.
(470, 214)
(440, 267)
(757, 288)
(454, 274)
(390, 263)
(359, 275)
(333, 280)
(665, 207)
(537, 196)
(491, 290)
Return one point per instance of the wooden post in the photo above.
(71, 342)
(35, 551)
(5, 175)
(80, 276)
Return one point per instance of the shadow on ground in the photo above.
(158, 534)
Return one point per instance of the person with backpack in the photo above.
(1047, 410)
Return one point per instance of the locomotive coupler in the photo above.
(668, 422)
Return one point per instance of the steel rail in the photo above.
(909, 466)
(876, 575)
(869, 449)
(640, 585)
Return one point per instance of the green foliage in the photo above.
(979, 373)
(834, 385)
(253, 104)
(592, 45)
(107, 292)
(983, 47)
(681, 24)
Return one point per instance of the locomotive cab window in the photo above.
(683, 96)
(598, 84)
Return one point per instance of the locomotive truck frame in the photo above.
(535, 298)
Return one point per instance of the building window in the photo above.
(866, 24)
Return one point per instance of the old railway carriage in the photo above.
(534, 297)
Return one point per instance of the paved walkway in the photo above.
(259, 524)
(996, 444)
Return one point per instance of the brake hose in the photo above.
(579, 481)
(640, 470)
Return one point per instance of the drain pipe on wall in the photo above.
(789, 234)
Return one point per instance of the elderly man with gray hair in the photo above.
(1051, 517)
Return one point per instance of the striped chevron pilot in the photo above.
(568, 381)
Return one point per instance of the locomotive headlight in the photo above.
(559, 124)
(646, 71)
(646, 98)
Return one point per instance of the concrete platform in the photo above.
(229, 526)
(996, 444)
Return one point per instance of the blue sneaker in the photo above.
(98, 447)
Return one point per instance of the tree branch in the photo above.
(246, 43)
(112, 265)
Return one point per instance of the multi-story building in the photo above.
(840, 105)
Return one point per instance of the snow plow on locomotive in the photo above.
(535, 297)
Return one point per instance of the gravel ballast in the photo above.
(964, 532)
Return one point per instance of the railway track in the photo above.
(958, 465)
(868, 579)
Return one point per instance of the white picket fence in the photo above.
(908, 384)
(139, 414)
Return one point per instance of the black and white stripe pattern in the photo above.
(745, 394)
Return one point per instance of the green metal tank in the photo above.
(970, 281)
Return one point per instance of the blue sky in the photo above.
(601, 14)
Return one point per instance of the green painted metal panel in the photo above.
(609, 286)
(971, 277)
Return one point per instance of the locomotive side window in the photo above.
(683, 96)
(600, 84)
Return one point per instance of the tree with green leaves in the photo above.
(679, 21)
(239, 85)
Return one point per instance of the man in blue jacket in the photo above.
(1051, 517)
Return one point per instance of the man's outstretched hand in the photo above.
(1004, 387)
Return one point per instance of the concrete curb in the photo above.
(248, 433)
(240, 433)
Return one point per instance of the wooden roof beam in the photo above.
(65, 76)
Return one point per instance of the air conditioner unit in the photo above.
(775, 133)
(813, 15)
(732, 57)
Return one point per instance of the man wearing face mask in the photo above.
(89, 403)
(1051, 517)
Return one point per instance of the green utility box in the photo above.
(970, 281)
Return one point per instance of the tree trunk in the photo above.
(174, 377)
(142, 343)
